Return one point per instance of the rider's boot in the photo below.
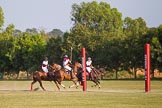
(71, 74)
(90, 75)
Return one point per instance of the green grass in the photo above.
(113, 94)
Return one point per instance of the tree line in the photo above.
(113, 43)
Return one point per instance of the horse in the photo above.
(62, 74)
(39, 76)
(94, 76)
(57, 75)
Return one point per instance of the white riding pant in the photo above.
(67, 67)
(89, 69)
(45, 69)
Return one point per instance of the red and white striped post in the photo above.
(84, 70)
(147, 67)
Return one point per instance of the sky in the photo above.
(56, 14)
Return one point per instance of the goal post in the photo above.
(147, 67)
(84, 70)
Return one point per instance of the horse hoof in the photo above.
(99, 87)
(36, 89)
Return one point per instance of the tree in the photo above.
(94, 25)
(54, 48)
(29, 51)
(56, 32)
(7, 48)
(1, 17)
(160, 34)
(17, 32)
(32, 31)
(134, 30)
(159, 58)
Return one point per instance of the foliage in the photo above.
(96, 27)
(1, 17)
(160, 34)
(30, 51)
(7, 48)
(54, 48)
(134, 30)
(21, 51)
(56, 32)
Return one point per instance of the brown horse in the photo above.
(94, 76)
(57, 74)
(40, 75)
(62, 74)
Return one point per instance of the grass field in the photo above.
(113, 94)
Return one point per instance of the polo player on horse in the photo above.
(66, 65)
(45, 68)
(89, 67)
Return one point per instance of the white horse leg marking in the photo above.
(62, 85)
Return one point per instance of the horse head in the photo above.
(55, 66)
(76, 66)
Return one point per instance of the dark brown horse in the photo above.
(57, 74)
(94, 76)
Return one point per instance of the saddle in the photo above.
(44, 73)
(67, 71)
